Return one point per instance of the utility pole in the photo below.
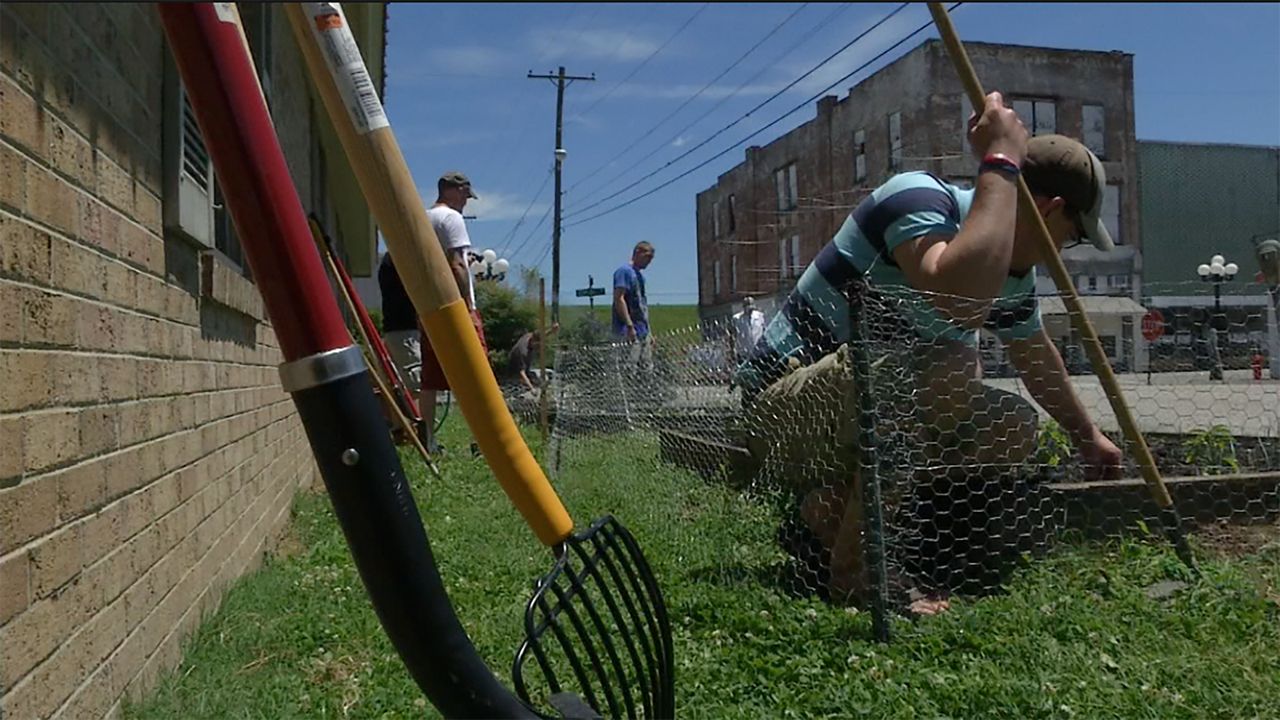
(560, 80)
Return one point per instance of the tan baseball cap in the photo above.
(457, 179)
(1057, 166)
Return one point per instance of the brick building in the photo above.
(148, 456)
(765, 219)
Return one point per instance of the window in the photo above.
(795, 256)
(860, 156)
(1094, 129)
(782, 259)
(733, 273)
(1039, 115)
(715, 219)
(256, 19)
(1093, 283)
(1111, 212)
(895, 141)
(733, 213)
(1120, 283)
(715, 269)
(966, 109)
(785, 181)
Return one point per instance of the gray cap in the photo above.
(457, 179)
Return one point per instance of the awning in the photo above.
(1093, 305)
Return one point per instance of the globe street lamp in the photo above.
(1217, 272)
(488, 266)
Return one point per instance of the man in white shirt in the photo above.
(452, 192)
(748, 328)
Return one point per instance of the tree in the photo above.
(507, 315)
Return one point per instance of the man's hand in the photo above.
(630, 333)
(1102, 459)
(997, 130)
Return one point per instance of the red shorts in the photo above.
(432, 374)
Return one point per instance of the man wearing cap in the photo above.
(452, 192)
(933, 263)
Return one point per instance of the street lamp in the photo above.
(488, 266)
(1217, 272)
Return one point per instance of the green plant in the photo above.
(1213, 450)
(507, 315)
(375, 314)
(1053, 445)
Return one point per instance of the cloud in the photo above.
(619, 46)
(465, 60)
(680, 141)
(493, 206)
(420, 140)
(855, 56)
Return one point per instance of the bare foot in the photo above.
(930, 606)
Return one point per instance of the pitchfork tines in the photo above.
(597, 629)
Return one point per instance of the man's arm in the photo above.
(620, 307)
(461, 273)
(1040, 365)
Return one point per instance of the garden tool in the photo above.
(338, 71)
(1169, 516)
(397, 398)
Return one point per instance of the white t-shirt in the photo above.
(748, 328)
(451, 229)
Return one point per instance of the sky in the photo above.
(670, 76)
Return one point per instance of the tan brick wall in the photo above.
(148, 456)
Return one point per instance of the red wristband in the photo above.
(1001, 162)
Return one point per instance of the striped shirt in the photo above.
(814, 320)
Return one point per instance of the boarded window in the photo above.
(1095, 129)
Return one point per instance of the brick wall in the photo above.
(148, 456)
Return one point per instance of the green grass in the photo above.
(1074, 638)
(663, 319)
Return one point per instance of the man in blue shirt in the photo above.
(630, 303)
(934, 263)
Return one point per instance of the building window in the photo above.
(1039, 115)
(256, 19)
(1093, 283)
(1095, 129)
(785, 182)
(895, 141)
(1120, 283)
(733, 213)
(715, 219)
(966, 109)
(860, 156)
(716, 277)
(782, 259)
(795, 256)
(1111, 212)
(733, 273)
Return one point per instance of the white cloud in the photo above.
(680, 141)
(613, 45)
(859, 53)
(461, 59)
(502, 206)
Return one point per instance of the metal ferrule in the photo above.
(321, 368)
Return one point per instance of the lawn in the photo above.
(1075, 637)
(663, 319)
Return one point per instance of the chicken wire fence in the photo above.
(898, 468)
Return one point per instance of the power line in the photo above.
(644, 62)
(706, 162)
(512, 232)
(695, 96)
(546, 214)
(770, 99)
(679, 133)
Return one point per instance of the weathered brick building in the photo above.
(148, 456)
(765, 219)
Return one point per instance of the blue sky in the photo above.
(458, 98)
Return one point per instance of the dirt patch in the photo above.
(1233, 541)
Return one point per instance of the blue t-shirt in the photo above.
(631, 281)
(815, 318)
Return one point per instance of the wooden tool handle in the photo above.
(1061, 278)
(337, 69)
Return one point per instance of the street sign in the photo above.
(588, 292)
(1152, 325)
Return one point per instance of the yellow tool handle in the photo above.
(338, 71)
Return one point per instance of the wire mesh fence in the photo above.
(905, 463)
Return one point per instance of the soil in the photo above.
(1233, 541)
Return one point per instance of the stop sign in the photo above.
(1152, 325)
